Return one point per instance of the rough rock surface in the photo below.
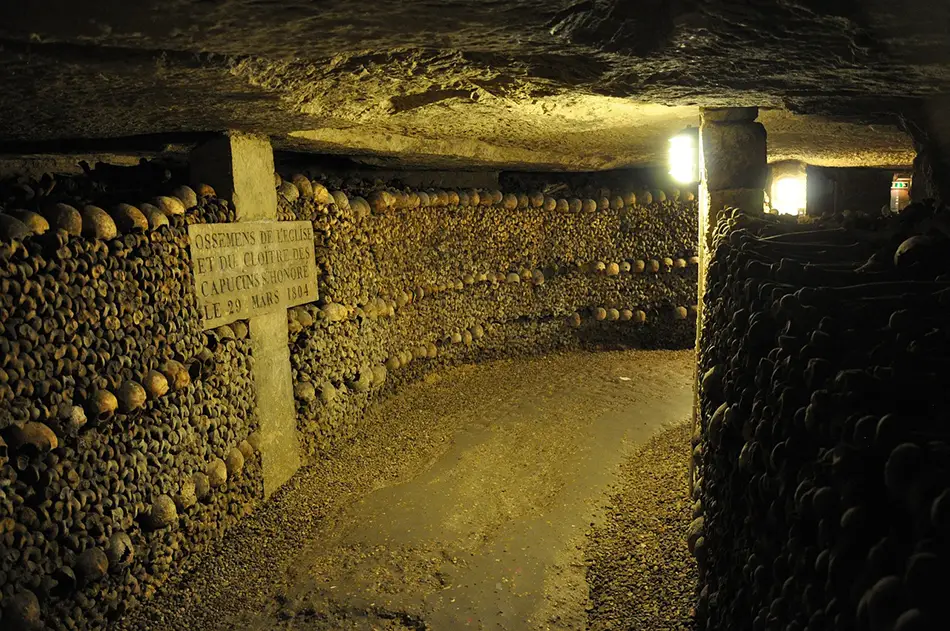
(525, 76)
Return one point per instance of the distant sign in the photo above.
(251, 268)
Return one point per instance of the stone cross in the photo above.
(240, 168)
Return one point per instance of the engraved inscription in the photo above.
(251, 268)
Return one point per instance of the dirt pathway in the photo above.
(465, 505)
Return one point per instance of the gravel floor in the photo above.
(463, 503)
(641, 574)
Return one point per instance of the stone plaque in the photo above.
(251, 268)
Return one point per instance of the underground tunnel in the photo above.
(450, 315)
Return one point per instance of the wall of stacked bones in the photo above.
(128, 442)
(823, 455)
(414, 281)
(126, 433)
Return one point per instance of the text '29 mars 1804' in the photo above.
(251, 268)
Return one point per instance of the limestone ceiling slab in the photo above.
(538, 82)
(601, 134)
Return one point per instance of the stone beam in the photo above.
(240, 167)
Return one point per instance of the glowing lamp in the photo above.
(789, 195)
(684, 156)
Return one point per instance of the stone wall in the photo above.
(128, 438)
(833, 190)
(126, 433)
(413, 281)
(823, 459)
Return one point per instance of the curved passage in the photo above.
(132, 435)
(413, 282)
(463, 502)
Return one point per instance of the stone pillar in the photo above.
(240, 167)
(733, 165)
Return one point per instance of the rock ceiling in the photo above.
(525, 83)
